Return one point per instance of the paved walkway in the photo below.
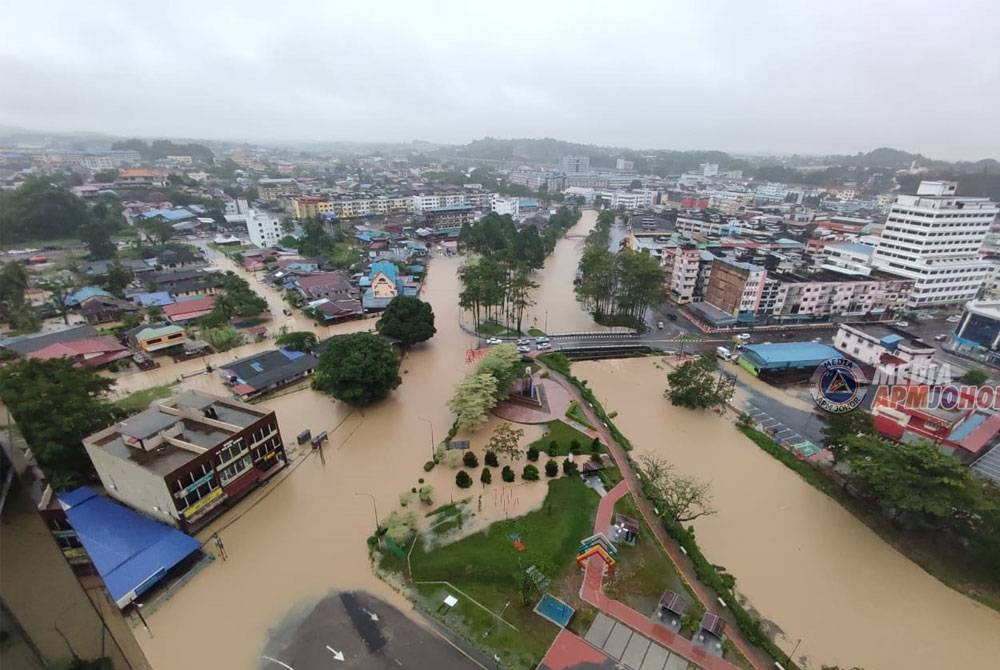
(756, 657)
(555, 402)
(592, 592)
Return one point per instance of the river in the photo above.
(799, 558)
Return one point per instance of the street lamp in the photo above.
(431, 426)
(378, 526)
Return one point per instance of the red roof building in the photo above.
(92, 351)
(189, 310)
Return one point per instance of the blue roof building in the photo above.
(130, 552)
(79, 296)
(785, 357)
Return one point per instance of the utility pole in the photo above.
(378, 526)
(431, 426)
(138, 610)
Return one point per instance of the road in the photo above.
(357, 630)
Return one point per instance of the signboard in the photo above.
(202, 504)
(198, 482)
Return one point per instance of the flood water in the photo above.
(295, 540)
(799, 558)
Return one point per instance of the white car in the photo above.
(543, 345)
(523, 342)
(903, 324)
(524, 349)
(743, 337)
(493, 340)
(940, 338)
(954, 318)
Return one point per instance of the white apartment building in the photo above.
(771, 192)
(502, 206)
(848, 258)
(263, 228)
(934, 238)
(575, 164)
(876, 345)
(711, 225)
(991, 287)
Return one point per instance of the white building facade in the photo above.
(934, 238)
(263, 228)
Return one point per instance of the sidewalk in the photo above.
(757, 659)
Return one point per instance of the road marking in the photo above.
(274, 660)
(374, 617)
(337, 655)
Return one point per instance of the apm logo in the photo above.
(839, 385)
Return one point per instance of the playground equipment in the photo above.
(597, 545)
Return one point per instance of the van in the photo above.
(723, 353)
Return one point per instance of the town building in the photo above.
(964, 433)
(186, 311)
(331, 285)
(935, 238)
(681, 266)
(735, 287)
(623, 165)
(877, 345)
(572, 165)
(506, 206)
(848, 258)
(785, 360)
(184, 459)
(153, 338)
(979, 330)
(267, 371)
(90, 352)
(272, 189)
(264, 229)
(451, 216)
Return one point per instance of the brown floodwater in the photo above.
(295, 540)
(799, 558)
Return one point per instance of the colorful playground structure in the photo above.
(597, 545)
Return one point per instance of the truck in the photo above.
(723, 353)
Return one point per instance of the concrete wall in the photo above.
(134, 486)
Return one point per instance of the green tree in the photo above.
(698, 384)
(506, 441)
(106, 176)
(158, 232)
(408, 320)
(32, 388)
(975, 377)
(842, 425)
(569, 467)
(97, 237)
(914, 478)
(60, 288)
(507, 474)
(222, 338)
(474, 396)
(235, 300)
(491, 458)
(532, 453)
(529, 473)
(470, 460)
(463, 480)
(359, 369)
(39, 210)
(14, 309)
(297, 340)
(503, 363)
(118, 279)
(486, 477)
(679, 497)
(551, 468)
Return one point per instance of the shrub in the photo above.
(574, 447)
(491, 459)
(463, 480)
(570, 468)
(470, 460)
(532, 453)
(595, 446)
(553, 448)
(486, 477)
(507, 474)
(530, 473)
(551, 468)
(425, 493)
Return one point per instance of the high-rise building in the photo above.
(623, 165)
(934, 238)
(264, 229)
(575, 164)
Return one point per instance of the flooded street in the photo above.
(556, 309)
(297, 539)
(801, 560)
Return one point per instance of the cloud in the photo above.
(763, 76)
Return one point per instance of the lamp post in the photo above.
(378, 526)
(138, 610)
(431, 426)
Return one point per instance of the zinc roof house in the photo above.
(156, 338)
(785, 357)
(255, 375)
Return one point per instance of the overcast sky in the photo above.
(743, 76)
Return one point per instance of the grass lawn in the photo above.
(490, 328)
(488, 568)
(140, 400)
(535, 332)
(563, 434)
(643, 571)
(610, 477)
(576, 413)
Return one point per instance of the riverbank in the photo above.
(809, 567)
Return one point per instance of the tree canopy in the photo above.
(698, 384)
(14, 308)
(359, 369)
(298, 340)
(618, 287)
(408, 320)
(235, 300)
(473, 399)
(56, 405)
(680, 497)
(39, 210)
(842, 425)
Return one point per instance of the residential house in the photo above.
(105, 309)
(153, 338)
(90, 352)
(331, 285)
(183, 460)
(267, 371)
(25, 344)
(186, 311)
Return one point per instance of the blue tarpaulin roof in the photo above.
(130, 551)
(788, 354)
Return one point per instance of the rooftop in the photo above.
(789, 353)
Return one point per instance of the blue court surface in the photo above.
(554, 610)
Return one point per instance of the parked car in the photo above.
(524, 349)
(493, 340)
(659, 324)
(523, 342)
(940, 338)
(544, 345)
(954, 318)
(903, 324)
(743, 337)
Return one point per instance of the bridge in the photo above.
(620, 344)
